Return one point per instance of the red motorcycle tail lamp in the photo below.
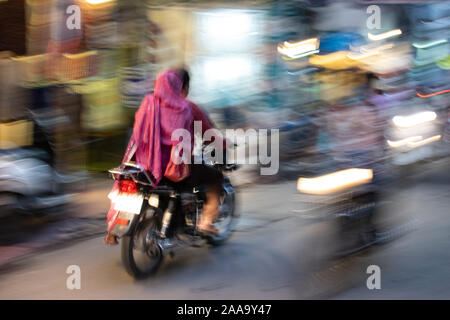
(127, 186)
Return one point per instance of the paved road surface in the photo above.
(265, 259)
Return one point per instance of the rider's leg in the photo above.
(210, 211)
(212, 179)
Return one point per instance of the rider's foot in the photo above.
(195, 241)
(208, 229)
(184, 237)
(111, 240)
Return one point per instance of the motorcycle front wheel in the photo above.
(141, 254)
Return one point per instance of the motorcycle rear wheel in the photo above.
(227, 216)
(142, 241)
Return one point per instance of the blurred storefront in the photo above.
(92, 79)
(95, 77)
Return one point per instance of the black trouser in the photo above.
(203, 175)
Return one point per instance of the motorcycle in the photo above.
(347, 213)
(344, 201)
(155, 222)
(338, 210)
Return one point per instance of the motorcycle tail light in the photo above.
(127, 186)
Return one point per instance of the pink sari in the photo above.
(158, 116)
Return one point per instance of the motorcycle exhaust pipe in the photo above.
(167, 217)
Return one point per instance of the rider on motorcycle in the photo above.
(160, 113)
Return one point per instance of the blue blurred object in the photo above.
(297, 138)
(323, 142)
(317, 3)
(340, 42)
(290, 125)
(429, 75)
(432, 11)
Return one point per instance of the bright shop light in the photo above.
(97, 1)
(414, 119)
(299, 49)
(415, 144)
(385, 35)
(403, 142)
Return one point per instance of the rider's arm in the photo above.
(200, 115)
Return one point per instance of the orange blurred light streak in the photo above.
(432, 94)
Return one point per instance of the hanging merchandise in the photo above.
(430, 29)
(68, 134)
(102, 35)
(16, 134)
(340, 41)
(430, 75)
(39, 23)
(69, 67)
(430, 21)
(335, 51)
(339, 85)
(102, 108)
(334, 61)
(13, 98)
(430, 51)
(130, 54)
(31, 69)
(444, 64)
(95, 11)
(339, 16)
(309, 86)
(136, 83)
(108, 60)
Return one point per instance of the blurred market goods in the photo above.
(312, 69)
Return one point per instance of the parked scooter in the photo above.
(28, 184)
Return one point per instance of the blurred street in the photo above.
(265, 257)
